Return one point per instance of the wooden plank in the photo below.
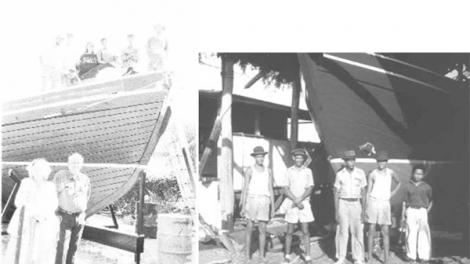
(54, 121)
(115, 238)
(211, 145)
(65, 135)
(110, 186)
(104, 156)
(109, 176)
(80, 126)
(120, 85)
(110, 181)
(107, 200)
(105, 138)
(107, 102)
(95, 148)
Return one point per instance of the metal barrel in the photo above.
(174, 237)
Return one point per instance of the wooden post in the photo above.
(468, 166)
(225, 156)
(139, 227)
(257, 126)
(211, 145)
(113, 216)
(294, 121)
(140, 214)
(8, 205)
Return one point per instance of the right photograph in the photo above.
(333, 157)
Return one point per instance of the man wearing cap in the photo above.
(298, 188)
(350, 193)
(379, 192)
(257, 198)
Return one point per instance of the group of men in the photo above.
(358, 199)
(62, 66)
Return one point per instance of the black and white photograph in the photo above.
(333, 157)
(98, 140)
(235, 132)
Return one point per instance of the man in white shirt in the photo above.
(378, 211)
(350, 193)
(73, 191)
(298, 189)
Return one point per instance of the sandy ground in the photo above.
(447, 249)
(90, 252)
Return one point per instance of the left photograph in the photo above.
(98, 149)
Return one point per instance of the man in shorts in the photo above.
(298, 188)
(378, 211)
(257, 198)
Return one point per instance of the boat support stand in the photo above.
(131, 242)
(8, 205)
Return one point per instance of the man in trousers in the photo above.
(378, 212)
(73, 189)
(418, 203)
(298, 189)
(257, 200)
(350, 184)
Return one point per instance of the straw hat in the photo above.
(349, 154)
(258, 150)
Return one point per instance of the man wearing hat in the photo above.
(257, 198)
(350, 193)
(298, 188)
(378, 212)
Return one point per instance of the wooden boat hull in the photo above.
(114, 125)
(416, 115)
(358, 98)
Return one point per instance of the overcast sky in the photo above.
(30, 28)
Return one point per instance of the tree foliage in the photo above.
(280, 68)
(165, 193)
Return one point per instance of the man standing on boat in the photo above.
(130, 57)
(73, 188)
(350, 194)
(257, 198)
(378, 210)
(298, 189)
(53, 66)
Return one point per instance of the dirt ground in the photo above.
(90, 252)
(447, 249)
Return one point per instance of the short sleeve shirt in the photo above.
(299, 179)
(73, 193)
(418, 195)
(349, 184)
